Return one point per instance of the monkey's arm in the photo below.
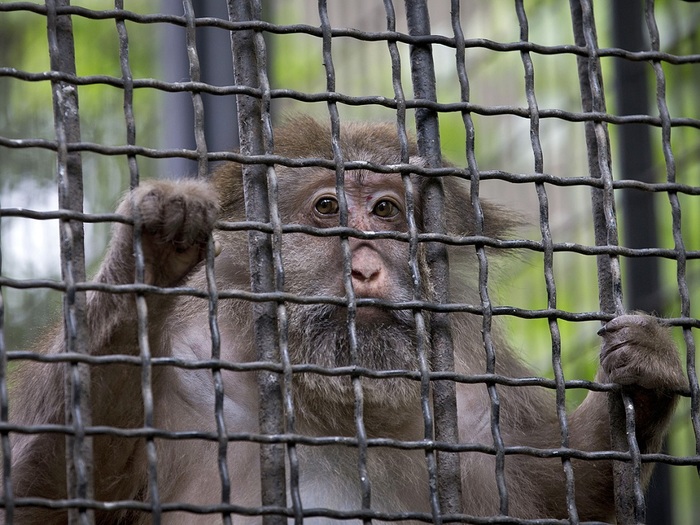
(177, 219)
(638, 353)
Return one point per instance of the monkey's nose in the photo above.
(366, 267)
(365, 275)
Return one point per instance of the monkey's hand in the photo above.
(177, 218)
(638, 353)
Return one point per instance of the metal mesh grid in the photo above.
(268, 293)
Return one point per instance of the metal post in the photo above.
(634, 153)
(629, 499)
(442, 357)
(70, 194)
(245, 47)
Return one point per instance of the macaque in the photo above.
(178, 219)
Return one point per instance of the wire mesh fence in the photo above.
(185, 400)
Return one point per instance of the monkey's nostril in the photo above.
(365, 276)
(359, 276)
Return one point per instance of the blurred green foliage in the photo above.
(30, 248)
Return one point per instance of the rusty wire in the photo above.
(257, 154)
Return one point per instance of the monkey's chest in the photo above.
(331, 477)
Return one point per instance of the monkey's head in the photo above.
(380, 268)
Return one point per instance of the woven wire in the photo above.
(70, 191)
(547, 243)
(443, 424)
(679, 245)
(73, 285)
(361, 432)
(437, 494)
(483, 273)
(249, 69)
(212, 291)
(141, 307)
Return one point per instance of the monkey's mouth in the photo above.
(376, 316)
(386, 342)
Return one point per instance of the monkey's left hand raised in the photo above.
(177, 218)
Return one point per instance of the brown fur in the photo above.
(177, 218)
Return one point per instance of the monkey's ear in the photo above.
(461, 217)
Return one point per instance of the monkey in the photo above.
(178, 218)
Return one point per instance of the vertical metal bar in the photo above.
(281, 308)
(219, 398)
(489, 348)
(141, 307)
(250, 122)
(202, 172)
(679, 244)
(213, 299)
(629, 499)
(598, 162)
(70, 195)
(177, 118)
(195, 76)
(128, 94)
(442, 353)
(547, 244)
(634, 149)
(146, 371)
(416, 276)
(338, 158)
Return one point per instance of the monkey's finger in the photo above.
(603, 330)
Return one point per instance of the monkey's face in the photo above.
(380, 270)
(379, 267)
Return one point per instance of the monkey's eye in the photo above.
(326, 206)
(386, 209)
